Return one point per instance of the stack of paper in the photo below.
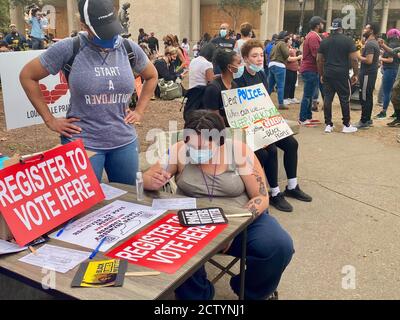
(56, 258)
(8, 247)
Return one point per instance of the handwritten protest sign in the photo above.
(252, 110)
(43, 193)
(166, 246)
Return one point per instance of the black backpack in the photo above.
(193, 99)
(77, 46)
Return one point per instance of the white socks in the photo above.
(275, 191)
(292, 184)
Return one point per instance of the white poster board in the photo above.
(252, 110)
(18, 110)
(114, 222)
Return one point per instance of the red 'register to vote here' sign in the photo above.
(166, 246)
(43, 193)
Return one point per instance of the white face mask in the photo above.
(200, 156)
(223, 33)
(256, 68)
(239, 73)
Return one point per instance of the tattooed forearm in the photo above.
(262, 188)
(254, 206)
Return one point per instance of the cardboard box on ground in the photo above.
(5, 233)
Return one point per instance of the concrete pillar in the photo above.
(271, 19)
(185, 9)
(160, 17)
(196, 24)
(385, 15)
(73, 20)
(17, 17)
(329, 14)
(282, 14)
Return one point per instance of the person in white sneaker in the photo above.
(333, 60)
(292, 67)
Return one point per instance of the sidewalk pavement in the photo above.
(354, 220)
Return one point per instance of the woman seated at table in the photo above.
(201, 167)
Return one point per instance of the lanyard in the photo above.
(210, 194)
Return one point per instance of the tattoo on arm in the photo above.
(262, 188)
(253, 209)
(252, 206)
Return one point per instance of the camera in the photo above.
(33, 8)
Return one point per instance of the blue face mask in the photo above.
(105, 44)
(200, 156)
(256, 68)
(239, 73)
(223, 33)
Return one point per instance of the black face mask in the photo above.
(367, 34)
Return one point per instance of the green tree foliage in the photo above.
(362, 9)
(4, 15)
(234, 8)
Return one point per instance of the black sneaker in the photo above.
(394, 123)
(363, 125)
(381, 115)
(394, 115)
(279, 202)
(298, 194)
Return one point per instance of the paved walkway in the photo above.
(353, 221)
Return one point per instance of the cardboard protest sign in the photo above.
(46, 191)
(252, 110)
(19, 111)
(166, 246)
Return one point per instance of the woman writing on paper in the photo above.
(101, 83)
(205, 165)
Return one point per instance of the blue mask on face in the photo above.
(105, 44)
(200, 156)
(239, 73)
(223, 33)
(255, 68)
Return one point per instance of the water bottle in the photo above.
(139, 186)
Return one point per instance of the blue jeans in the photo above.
(277, 76)
(37, 44)
(121, 164)
(311, 84)
(318, 89)
(389, 78)
(266, 71)
(269, 252)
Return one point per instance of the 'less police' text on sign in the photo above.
(252, 110)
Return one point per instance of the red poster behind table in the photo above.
(45, 192)
(166, 246)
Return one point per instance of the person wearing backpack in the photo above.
(165, 67)
(101, 83)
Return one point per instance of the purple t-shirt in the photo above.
(101, 86)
